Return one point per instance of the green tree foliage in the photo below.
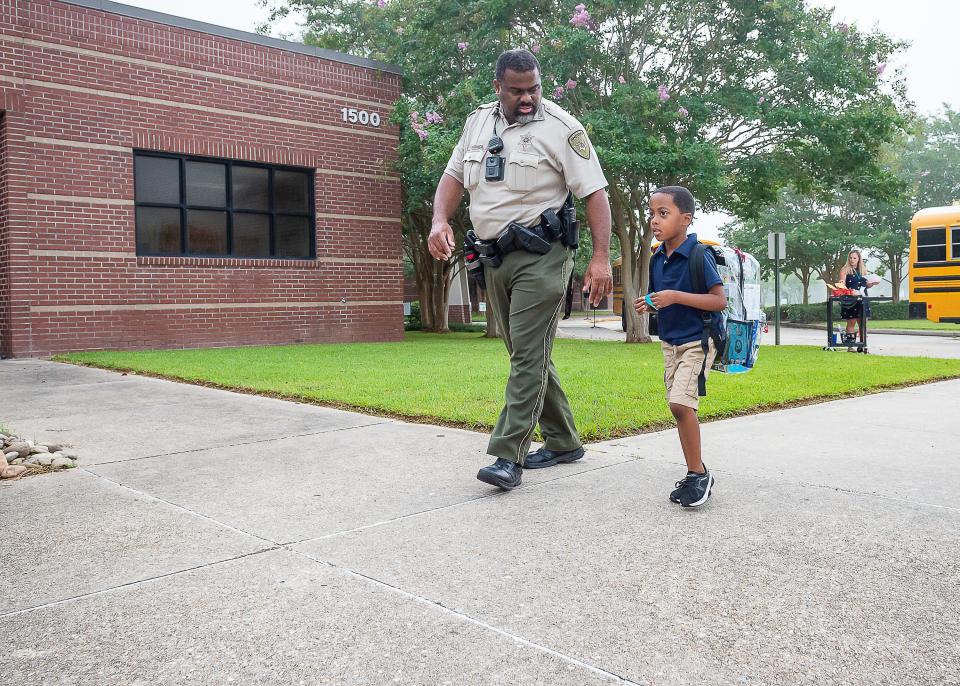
(927, 163)
(819, 237)
(735, 99)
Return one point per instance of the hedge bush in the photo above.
(817, 312)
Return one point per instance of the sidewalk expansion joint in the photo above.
(130, 584)
(194, 513)
(242, 443)
(599, 671)
(881, 496)
(440, 508)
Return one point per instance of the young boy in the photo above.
(680, 321)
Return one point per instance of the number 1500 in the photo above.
(360, 116)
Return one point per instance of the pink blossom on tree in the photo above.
(880, 68)
(570, 84)
(621, 79)
(381, 3)
(662, 93)
(581, 18)
(535, 47)
(463, 45)
(683, 112)
(558, 92)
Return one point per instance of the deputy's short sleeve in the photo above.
(711, 276)
(581, 168)
(455, 164)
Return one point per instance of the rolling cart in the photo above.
(836, 341)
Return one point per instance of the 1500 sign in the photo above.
(360, 116)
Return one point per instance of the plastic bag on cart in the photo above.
(744, 315)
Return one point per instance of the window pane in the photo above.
(251, 190)
(251, 235)
(157, 179)
(290, 191)
(956, 242)
(932, 236)
(206, 184)
(293, 237)
(933, 253)
(158, 231)
(207, 232)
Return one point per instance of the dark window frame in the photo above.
(930, 246)
(955, 243)
(272, 212)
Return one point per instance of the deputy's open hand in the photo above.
(598, 279)
(440, 242)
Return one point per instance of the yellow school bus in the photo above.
(935, 264)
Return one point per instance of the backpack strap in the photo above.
(698, 282)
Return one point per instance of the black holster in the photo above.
(528, 240)
(471, 257)
(571, 227)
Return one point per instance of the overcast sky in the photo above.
(930, 63)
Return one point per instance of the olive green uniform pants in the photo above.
(526, 295)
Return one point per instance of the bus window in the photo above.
(955, 231)
(932, 244)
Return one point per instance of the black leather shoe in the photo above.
(548, 458)
(502, 473)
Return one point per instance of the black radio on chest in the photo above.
(495, 164)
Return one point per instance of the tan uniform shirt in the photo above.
(544, 158)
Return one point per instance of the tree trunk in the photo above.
(493, 331)
(633, 268)
(804, 277)
(895, 264)
(433, 284)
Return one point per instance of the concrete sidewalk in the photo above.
(212, 538)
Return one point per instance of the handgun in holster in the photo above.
(527, 239)
(471, 257)
(571, 227)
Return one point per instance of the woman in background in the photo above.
(854, 276)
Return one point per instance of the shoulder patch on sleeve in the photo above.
(578, 141)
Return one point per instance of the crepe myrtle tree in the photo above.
(735, 99)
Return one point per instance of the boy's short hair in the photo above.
(682, 198)
(516, 60)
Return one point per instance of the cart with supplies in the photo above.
(849, 300)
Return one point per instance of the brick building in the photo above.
(169, 183)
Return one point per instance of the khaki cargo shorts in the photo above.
(681, 367)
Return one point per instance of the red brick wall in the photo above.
(459, 314)
(4, 246)
(83, 89)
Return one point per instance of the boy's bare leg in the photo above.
(688, 425)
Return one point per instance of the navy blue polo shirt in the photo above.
(680, 324)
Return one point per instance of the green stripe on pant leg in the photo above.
(536, 285)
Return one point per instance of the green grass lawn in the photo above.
(615, 389)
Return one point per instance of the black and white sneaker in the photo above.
(694, 489)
